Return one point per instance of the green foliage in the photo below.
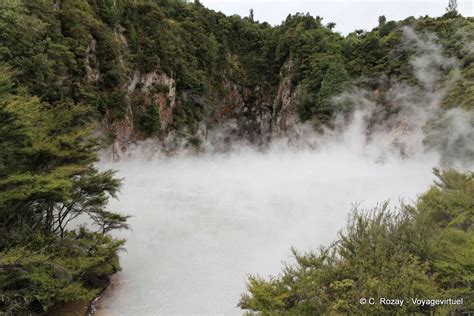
(418, 251)
(47, 180)
(39, 273)
(305, 102)
(149, 121)
(462, 94)
(52, 49)
(117, 104)
(321, 105)
(334, 83)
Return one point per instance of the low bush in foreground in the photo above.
(41, 273)
(424, 251)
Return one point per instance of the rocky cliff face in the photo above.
(239, 113)
(255, 115)
(142, 91)
(249, 109)
(284, 116)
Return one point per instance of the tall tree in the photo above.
(382, 20)
(452, 6)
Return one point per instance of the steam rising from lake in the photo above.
(203, 222)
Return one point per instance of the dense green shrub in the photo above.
(149, 121)
(47, 180)
(421, 251)
(39, 272)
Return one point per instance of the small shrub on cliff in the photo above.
(149, 121)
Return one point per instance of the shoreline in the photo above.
(85, 307)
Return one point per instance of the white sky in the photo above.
(348, 15)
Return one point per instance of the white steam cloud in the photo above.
(416, 121)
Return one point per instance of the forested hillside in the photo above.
(174, 69)
(78, 76)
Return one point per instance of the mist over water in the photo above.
(202, 223)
